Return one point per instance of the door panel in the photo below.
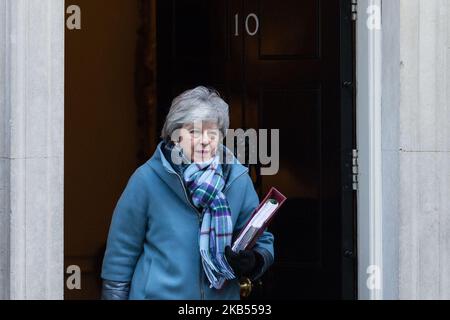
(290, 29)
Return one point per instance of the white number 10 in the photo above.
(251, 15)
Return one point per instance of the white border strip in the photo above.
(368, 72)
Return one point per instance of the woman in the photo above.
(173, 225)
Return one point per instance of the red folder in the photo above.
(272, 194)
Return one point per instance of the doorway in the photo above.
(286, 66)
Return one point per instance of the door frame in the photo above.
(369, 145)
(348, 265)
(347, 97)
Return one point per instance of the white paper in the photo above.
(257, 221)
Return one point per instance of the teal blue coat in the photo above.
(154, 234)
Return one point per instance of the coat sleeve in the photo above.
(264, 244)
(115, 290)
(127, 231)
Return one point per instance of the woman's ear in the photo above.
(175, 142)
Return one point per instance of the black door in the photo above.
(280, 65)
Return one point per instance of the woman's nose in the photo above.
(205, 137)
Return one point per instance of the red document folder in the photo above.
(272, 194)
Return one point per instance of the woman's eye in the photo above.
(213, 134)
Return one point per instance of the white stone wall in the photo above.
(390, 102)
(424, 150)
(31, 148)
(414, 223)
(4, 161)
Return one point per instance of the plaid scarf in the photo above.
(205, 183)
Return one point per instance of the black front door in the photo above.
(279, 65)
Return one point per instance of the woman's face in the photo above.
(199, 140)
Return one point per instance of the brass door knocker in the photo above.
(246, 287)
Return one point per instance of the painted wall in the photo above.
(101, 135)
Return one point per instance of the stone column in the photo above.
(415, 146)
(31, 149)
(424, 150)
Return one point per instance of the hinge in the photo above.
(354, 10)
(355, 169)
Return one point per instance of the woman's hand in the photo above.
(244, 263)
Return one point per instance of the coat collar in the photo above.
(166, 172)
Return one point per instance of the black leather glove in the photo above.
(244, 263)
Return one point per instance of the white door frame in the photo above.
(369, 194)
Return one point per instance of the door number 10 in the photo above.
(250, 16)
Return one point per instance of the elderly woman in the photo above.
(173, 225)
